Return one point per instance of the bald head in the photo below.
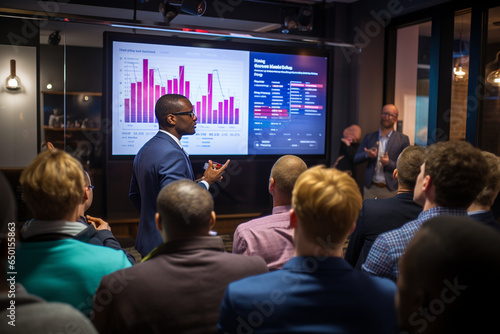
(285, 172)
(185, 208)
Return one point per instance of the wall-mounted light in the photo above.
(49, 86)
(494, 77)
(13, 82)
(459, 72)
(194, 7)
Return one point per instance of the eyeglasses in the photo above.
(91, 187)
(190, 113)
(386, 114)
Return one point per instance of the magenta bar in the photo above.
(139, 102)
(220, 119)
(169, 86)
(198, 110)
(162, 91)
(176, 87)
(209, 106)
(203, 109)
(127, 110)
(231, 110)
(186, 91)
(132, 102)
(226, 112)
(237, 116)
(151, 96)
(144, 90)
(157, 96)
(181, 80)
(214, 118)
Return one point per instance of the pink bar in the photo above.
(203, 109)
(226, 112)
(144, 91)
(157, 96)
(127, 110)
(220, 119)
(181, 78)
(176, 87)
(198, 109)
(162, 91)
(306, 106)
(209, 106)
(231, 110)
(169, 84)
(237, 116)
(139, 102)
(133, 102)
(186, 91)
(214, 118)
(151, 96)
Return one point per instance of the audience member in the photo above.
(451, 177)
(179, 286)
(349, 144)
(480, 209)
(316, 291)
(22, 312)
(271, 237)
(381, 149)
(381, 215)
(50, 262)
(163, 160)
(449, 278)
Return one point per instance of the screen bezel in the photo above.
(223, 43)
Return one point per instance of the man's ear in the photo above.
(271, 185)
(427, 182)
(395, 174)
(293, 219)
(212, 220)
(352, 228)
(170, 119)
(158, 222)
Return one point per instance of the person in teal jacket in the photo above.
(51, 262)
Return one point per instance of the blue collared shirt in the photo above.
(383, 259)
(378, 175)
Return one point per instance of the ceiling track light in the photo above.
(168, 11)
(54, 38)
(194, 7)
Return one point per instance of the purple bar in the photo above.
(237, 116)
(226, 118)
(127, 110)
(231, 110)
(214, 119)
(162, 91)
(169, 84)
(133, 102)
(151, 96)
(209, 106)
(181, 78)
(186, 91)
(198, 109)
(157, 96)
(203, 109)
(220, 119)
(144, 91)
(139, 102)
(176, 87)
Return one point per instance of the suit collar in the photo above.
(166, 135)
(187, 244)
(310, 264)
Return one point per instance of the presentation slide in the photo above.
(246, 102)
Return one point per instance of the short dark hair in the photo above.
(490, 191)
(408, 166)
(186, 207)
(451, 251)
(167, 104)
(458, 172)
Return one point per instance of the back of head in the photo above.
(285, 172)
(327, 203)
(487, 196)
(53, 185)
(453, 264)
(408, 166)
(458, 172)
(185, 208)
(167, 104)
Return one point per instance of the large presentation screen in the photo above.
(246, 102)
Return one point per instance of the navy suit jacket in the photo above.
(487, 218)
(396, 144)
(376, 217)
(159, 162)
(310, 295)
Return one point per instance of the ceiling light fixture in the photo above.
(54, 38)
(168, 11)
(194, 7)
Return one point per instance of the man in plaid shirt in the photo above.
(452, 175)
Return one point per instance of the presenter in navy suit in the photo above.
(163, 160)
(381, 149)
